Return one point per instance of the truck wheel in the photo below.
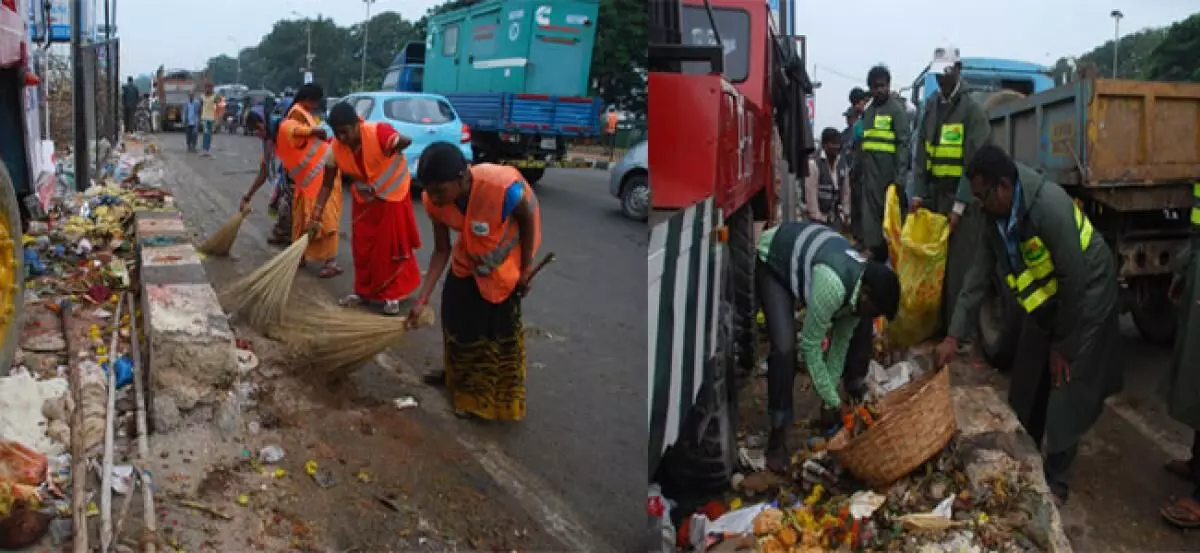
(742, 254)
(12, 270)
(635, 197)
(703, 460)
(999, 326)
(1153, 314)
(533, 174)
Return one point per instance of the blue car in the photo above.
(425, 118)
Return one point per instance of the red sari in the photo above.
(384, 240)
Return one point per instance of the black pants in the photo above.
(779, 310)
(1029, 396)
(128, 118)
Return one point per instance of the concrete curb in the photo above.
(586, 163)
(191, 345)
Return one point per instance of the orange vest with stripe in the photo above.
(305, 164)
(387, 176)
(611, 126)
(488, 248)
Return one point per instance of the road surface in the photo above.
(579, 456)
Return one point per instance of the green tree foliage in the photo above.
(1177, 57)
(620, 53)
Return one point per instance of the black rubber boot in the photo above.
(778, 455)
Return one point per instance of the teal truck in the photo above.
(517, 73)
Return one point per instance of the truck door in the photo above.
(445, 49)
(478, 69)
(560, 34)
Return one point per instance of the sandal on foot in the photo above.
(1184, 513)
(330, 271)
(353, 300)
(1180, 467)
(391, 308)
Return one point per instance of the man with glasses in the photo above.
(1063, 275)
(953, 127)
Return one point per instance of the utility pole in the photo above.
(77, 96)
(237, 54)
(308, 54)
(1116, 15)
(362, 73)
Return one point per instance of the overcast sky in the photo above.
(845, 42)
(186, 34)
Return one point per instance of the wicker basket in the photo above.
(915, 423)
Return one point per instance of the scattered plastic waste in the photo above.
(271, 454)
(124, 368)
(406, 402)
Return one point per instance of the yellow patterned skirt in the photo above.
(484, 351)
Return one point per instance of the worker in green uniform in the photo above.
(1181, 387)
(952, 128)
(881, 160)
(842, 294)
(1063, 275)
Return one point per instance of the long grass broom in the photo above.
(336, 341)
(260, 297)
(221, 241)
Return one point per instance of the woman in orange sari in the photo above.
(384, 234)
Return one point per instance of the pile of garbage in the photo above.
(77, 332)
(944, 505)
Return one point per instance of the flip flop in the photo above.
(1184, 513)
(330, 271)
(1179, 467)
(353, 300)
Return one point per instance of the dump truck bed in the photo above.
(1109, 134)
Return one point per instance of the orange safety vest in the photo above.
(305, 164)
(612, 123)
(387, 176)
(488, 248)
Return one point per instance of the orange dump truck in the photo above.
(1129, 152)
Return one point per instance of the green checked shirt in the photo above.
(826, 314)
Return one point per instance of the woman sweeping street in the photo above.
(384, 234)
(302, 147)
(496, 215)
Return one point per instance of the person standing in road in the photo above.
(842, 294)
(1181, 387)
(129, 102)
(851, 137)
(191, 118)
(208, 117)
(953, 127)
(1063, 275)
(495, 213)
(610, 132)
(384, 234)
(882, 157)
(826, 196)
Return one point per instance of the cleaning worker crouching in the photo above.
(1063, 275)
(842, 294)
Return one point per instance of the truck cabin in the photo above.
(14, 147)
(407, 71)
(983, 77)
(741, 25)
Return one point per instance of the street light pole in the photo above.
(1116, 15)
(237, 54)
(308, 54)
(362, 73)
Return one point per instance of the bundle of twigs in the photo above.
(261, 296)
(335, 341)
(221, 241)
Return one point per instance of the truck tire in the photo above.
(999, 326)
(12, 270)
(533, 174)
(1153, 314)
(742, 255)
(701, 463)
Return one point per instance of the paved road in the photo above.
(584, 436)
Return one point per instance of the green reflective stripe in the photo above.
(1085, 229)
(945, 171)
(879, 134)
(401, 162)
(1196, 204)
(869, 146)
(1039, 295)
(944, 161)
(1196, 190)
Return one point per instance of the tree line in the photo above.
(1155, 54)
(277, 60)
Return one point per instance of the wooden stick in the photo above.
(106, 528)
(205, 509)
(148, 516)
(133, 482)
(78, 460)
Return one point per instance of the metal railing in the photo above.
(101, 98)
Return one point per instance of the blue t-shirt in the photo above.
(512, 197)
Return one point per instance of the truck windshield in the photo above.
(734, 28)
(391, 79)
(422, 111)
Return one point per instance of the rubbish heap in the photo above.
(63, 437)
(945, 504)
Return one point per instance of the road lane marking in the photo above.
(1149, 430)
(533, 493)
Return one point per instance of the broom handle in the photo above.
(541, 265)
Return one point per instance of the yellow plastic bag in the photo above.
(918, 253)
